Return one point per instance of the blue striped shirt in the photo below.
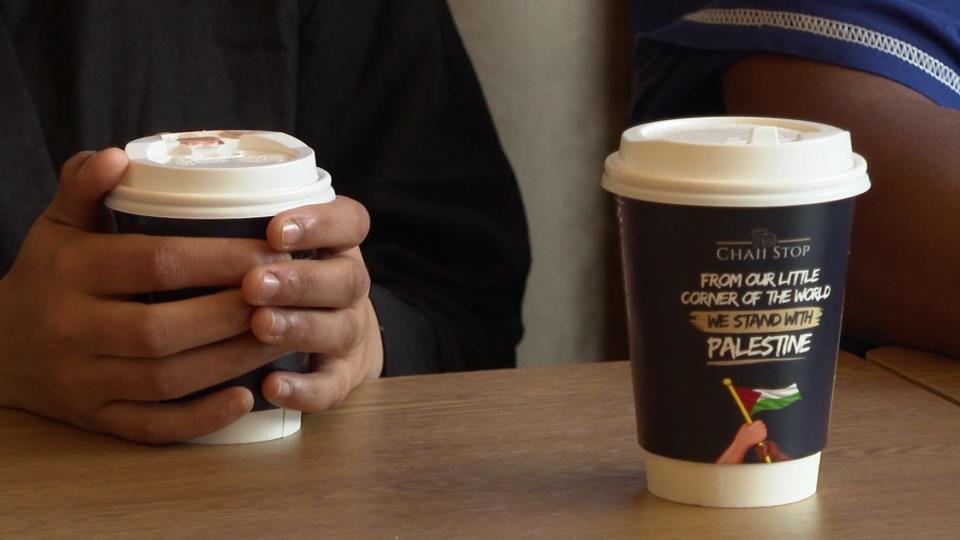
(683, 46)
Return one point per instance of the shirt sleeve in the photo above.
(913, 42)
(406, 132)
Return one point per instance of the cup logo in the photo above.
(762, 245)
(763, 239)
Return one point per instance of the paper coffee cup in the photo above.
(221, 184)
(734, 234)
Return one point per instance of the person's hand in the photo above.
(321, 305)
(772, 450)
(748, 436)
(751, 434)
(75, 349)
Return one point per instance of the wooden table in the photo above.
(938, 374)
(535, 453)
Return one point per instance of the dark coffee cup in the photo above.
(221, 184)
(735, 235)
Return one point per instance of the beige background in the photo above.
(556, 76)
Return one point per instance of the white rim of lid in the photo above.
(735, 162)
(219, 174)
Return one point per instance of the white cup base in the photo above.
(747, 485)
(257, 426)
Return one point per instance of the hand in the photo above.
(74, 349)
(748, 436)
(320, 306)
(751, 434)
(772, 450)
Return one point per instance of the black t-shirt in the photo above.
(383, 92)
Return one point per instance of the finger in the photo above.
(85, 180)
(173, 377)
(161, 423)
(336, 282)
(317, 391)
(337, 225)
(330, 332)
(133, 263)
(132, 329)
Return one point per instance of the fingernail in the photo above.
(87, 156)
(269, 285)
(237, 407)
(290, 234)
(284, 390)
(270, 258)
(278, 324)
(82, 166)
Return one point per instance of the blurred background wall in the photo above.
(556, 77)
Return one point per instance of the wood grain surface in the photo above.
(534, 453)
(938, 374)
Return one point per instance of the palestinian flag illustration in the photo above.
(767, 399)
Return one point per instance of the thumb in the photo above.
(85, 180)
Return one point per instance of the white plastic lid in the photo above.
(736, 161)
(219, 175)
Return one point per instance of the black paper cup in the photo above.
(225, 184)
(734, 235)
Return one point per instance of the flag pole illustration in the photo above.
(753, 400)
(746, 416)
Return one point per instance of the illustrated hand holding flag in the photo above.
(754, 400)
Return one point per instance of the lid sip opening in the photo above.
(219, 174)
(206, 148)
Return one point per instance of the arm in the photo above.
(901, 286)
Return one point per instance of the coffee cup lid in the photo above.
(219, 174)
(735, 162)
